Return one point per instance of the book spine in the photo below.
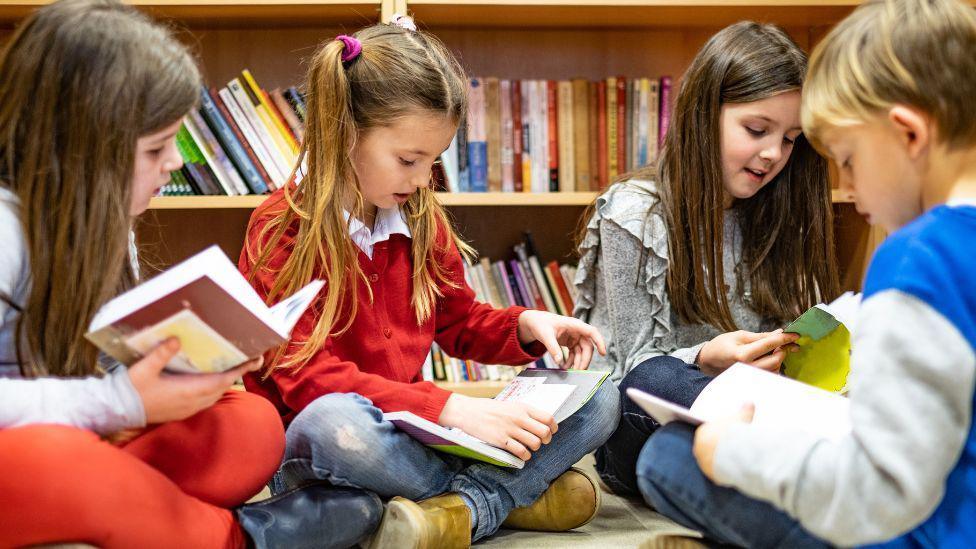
(464, 173)
(285, 111)
(602, 144)
(527, 299)
(653, 104)
(246, 105)
(229, 139)
(643, 122)
(276, 127)
(208, 156)
(297, 103)
(567, 167)
(504, 281)
(219, 162)
(581, 134)
(552, 135)
(517, 151)
(665, 109)
(525, 93)
(493, 128)
(477, 137)
(507, 140)
(251, 137)
(562, 292)
(593, 135)
(621, 125)
(194, 162)
(628, 126)
(612, 144)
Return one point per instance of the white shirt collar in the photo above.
(389, 221)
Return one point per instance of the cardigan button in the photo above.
(374, 277)
(388, 333)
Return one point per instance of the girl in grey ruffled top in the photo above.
(627, 301)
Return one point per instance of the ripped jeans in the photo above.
(343, 439)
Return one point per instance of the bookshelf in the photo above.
(515, 39)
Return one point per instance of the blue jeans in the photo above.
(660, 464)
(343, 439)
(663, 376)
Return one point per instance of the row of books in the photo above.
(524, 281)
(242, 140)
(551, 136)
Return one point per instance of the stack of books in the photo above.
(551, 136)
(242, 140)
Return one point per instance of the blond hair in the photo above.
(399, 73)
(920, 53)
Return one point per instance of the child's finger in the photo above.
(543, 418)
(552, 346)
(771, 362)
(756, 349)
(516, 448)
(537, 428)
(159, 357)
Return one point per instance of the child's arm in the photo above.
(468, 329)
(911, 393)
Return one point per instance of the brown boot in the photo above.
(439, 522)
(571, 501)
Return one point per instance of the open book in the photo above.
(557, 392)
(824, 358)
(778, 401)
(207, 304)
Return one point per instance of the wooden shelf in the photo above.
(625, 13)
(448, 199)
(235, 13)
(485, 389)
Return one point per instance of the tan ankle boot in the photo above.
(571, 501)
(439, 522)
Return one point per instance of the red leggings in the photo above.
(171, 486)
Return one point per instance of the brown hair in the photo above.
(399, 73)
(913, 52)
(786, 227)
(80, 82)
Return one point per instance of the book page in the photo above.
(547, 397)
(778, 401)
(287, 312)
(202, 350)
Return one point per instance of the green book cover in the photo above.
(824, 358)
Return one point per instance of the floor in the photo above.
(621, 523)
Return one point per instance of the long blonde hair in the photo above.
(80, 82)
(399, 72)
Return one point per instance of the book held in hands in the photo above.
(207, 304)
(557, 392)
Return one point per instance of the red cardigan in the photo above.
(382, 353)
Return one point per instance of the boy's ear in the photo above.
(912, 128)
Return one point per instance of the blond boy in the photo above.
(889, 97)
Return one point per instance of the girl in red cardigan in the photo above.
(382, 106)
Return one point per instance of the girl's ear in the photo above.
(913, 129)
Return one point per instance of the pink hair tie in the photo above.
(351, 47)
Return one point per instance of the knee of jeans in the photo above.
(343, 422)
(647, 373)
(666, 453)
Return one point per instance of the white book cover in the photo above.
(252, 138)
(778, 401)
(283, 164)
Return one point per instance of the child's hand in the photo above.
(169, 397)
(555, 331)
(763, 350)
(511, 426)
(709, 434)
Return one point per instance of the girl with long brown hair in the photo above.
(691, 265)
(92, 94)
(383, 105)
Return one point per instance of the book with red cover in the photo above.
(664, 118)
(560, 283)
(207, 304)
(517, 135)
